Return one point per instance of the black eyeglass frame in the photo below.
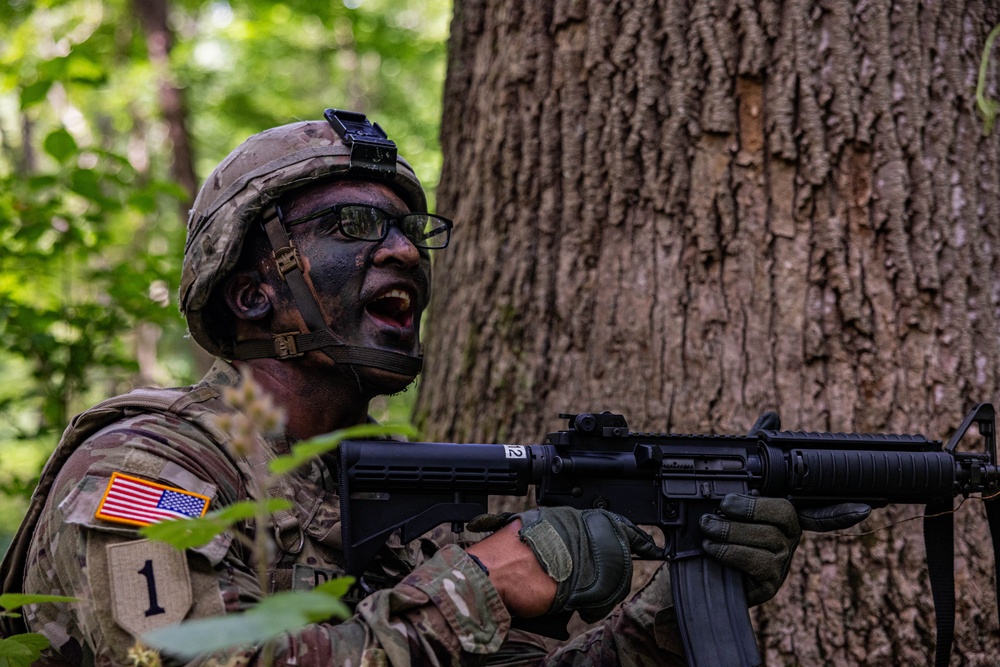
(389, 220)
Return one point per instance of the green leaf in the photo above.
(86, 183)
(288, 611)
(22, 650)
(11, 601)
(337, 587)
(305, 451)
(34, 93)
(60, 144)
(191, 533)
(85, 70)
(988, 108)
(248, 509)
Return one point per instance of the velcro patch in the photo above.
(150, 585)
(140, 503)
(550, 548)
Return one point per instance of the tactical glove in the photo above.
(758, 536)
(587, 552)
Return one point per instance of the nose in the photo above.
(396, 247)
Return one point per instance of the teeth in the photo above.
(404, 298)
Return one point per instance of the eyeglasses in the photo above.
(368, 223)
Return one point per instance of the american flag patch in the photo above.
(139, 503)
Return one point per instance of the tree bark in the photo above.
(693, 211)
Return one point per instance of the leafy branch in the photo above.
(24, 649)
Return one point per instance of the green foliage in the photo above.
(11, 601)
(195, 532)
(91, 219)
(91, 224)
(22, 650)
(272, 617)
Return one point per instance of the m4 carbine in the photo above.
(670, 481)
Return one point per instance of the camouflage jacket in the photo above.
(439, 608)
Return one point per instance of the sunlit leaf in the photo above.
(198, 531)
(11, 601)
(305, 451)
(337, 587)
(85, 70)
(288, 611)
(22, 650)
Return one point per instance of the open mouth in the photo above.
(394, 308)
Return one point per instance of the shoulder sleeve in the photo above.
(125, 584)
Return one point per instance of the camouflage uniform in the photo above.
(443, 610)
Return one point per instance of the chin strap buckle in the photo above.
(285, 346)
(287, 258)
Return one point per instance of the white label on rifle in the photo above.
(515, 451)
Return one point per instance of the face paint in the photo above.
(372, 293)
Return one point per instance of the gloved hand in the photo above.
(758, 536)
(762, 534)
(587, 552)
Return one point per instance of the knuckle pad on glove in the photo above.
(738, 505)
(758, 536)
(775, 511)
(715, 527)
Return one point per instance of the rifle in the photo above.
(670, 481)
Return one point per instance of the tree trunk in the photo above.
(691, 212)
(153, 16)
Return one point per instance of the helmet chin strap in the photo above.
(319, 336)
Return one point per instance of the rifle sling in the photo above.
(993, 517)
(939, 540)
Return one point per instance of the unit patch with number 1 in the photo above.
(150, 585)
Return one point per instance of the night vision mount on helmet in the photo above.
(244, 189)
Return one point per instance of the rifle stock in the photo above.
(659, 479)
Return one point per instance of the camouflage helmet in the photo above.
(255, 175)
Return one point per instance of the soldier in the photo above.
(308, 262)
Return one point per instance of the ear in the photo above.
(245, 297)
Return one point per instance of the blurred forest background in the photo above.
(110, 115)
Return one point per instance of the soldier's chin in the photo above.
(381, 382)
